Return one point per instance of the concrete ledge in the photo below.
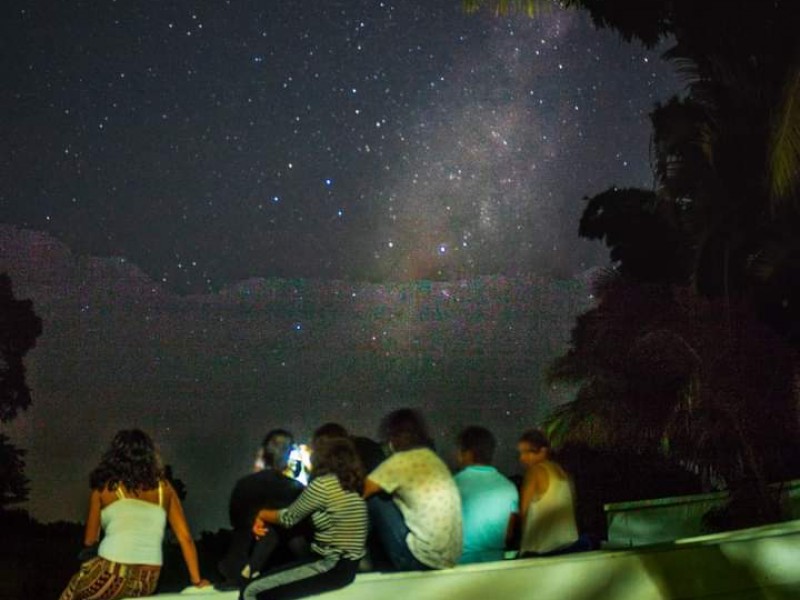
(645, 522)
(750, 563)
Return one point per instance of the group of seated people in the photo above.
(396, 507)
(390, 506)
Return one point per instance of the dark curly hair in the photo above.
(339, 456)
(131, 460)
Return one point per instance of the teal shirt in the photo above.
(487, 500)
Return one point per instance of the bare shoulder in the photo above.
(535, 476)
(168, 491)
(107, 495)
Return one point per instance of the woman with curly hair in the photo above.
(131, 502)
(339, 515)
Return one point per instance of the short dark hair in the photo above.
(328, 430)
(405, 429)
(337, 455)
(275, 449)
(479, 441)
(536, 438)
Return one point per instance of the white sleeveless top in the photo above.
(133, 530)
(550, 522)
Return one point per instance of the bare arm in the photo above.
(264, 516)
(268, 515)
(315, 497)
(533, 487)
(177, 520)
(527, 493)
(92, 533)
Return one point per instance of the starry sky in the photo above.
(358, 140)
(227, 213)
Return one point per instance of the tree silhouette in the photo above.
(13, 483)
(643, 235)
(19, 328)
(675, 356)
(659, 371)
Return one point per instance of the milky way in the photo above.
(359, 140)
(213, 148)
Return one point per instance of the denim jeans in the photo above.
(387, 521)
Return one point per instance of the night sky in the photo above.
(212, 142)
(352, 149)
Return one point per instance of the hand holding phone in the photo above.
(299, 465)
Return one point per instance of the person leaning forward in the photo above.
(418, 515)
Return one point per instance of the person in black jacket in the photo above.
(267, 487)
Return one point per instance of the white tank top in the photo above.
(550, 522)
(133, 530)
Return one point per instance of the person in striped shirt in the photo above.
(339, 516)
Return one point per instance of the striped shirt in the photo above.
(339, 517)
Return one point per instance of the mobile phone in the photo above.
(299, 464)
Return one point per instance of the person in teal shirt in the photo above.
(489, 500)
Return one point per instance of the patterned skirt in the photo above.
(101, 579)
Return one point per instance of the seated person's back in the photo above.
(489, 500)
(420, 525)
(257, 490)
(547, 500)
(267, 487)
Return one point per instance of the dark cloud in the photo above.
(209, 374)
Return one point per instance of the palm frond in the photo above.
(685, 66)
(784, 160)
(508, 7)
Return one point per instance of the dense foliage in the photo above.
(692, 347)
(19, 328)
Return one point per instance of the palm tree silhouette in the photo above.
(676, 355)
